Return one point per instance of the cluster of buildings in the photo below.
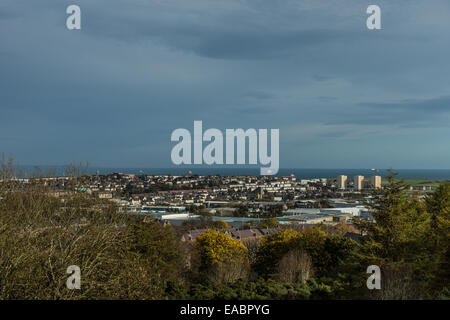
(197, 190)
(236, 197)
(359, 183)
(242, 202)
(238, 200)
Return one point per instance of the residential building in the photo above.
(358, 182)
(376, 182)
(342, 182)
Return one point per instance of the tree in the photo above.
(401, 228)
(438, 204)
(269, 223)
(399, 240)
(295, 266)
(157, 245)
(242, 211)
(312, 241)
(220, 224)
(222, 258)
(41, 235)
(272, 249)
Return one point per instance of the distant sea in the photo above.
(429, 174)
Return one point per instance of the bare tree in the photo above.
(295, 266)
(42, 234)
(228, 272)
(397, 283)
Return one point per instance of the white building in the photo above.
(342, 182)
(376, 182)
(358, 180)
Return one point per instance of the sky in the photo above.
(112, 93)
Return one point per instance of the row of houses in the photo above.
(235, 233)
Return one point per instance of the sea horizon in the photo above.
(299, 173)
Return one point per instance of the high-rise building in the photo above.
(358, 182)
(342, 182)
(376, 182)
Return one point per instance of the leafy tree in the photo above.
(401, 228)
(273, 248)
(438, 204)
(222, 258)
(220, 224)
(312, 241)
(269, 223)
(242, 211)
(157, 245)
(399, 240)
(262, 289)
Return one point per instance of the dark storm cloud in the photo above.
(433, 106)
(263, 46)
(409, 113)
(247, 35)
(233, 36)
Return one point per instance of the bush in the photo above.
(41, 235)
(222, 258)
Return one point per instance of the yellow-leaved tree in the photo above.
(222, 258)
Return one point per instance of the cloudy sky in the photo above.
(111, 93)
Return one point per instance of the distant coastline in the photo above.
(431, 174)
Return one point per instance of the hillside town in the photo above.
(240, 201)
(243, 203)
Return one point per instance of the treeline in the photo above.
(127, 257)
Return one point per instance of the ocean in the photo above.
(428, 174)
